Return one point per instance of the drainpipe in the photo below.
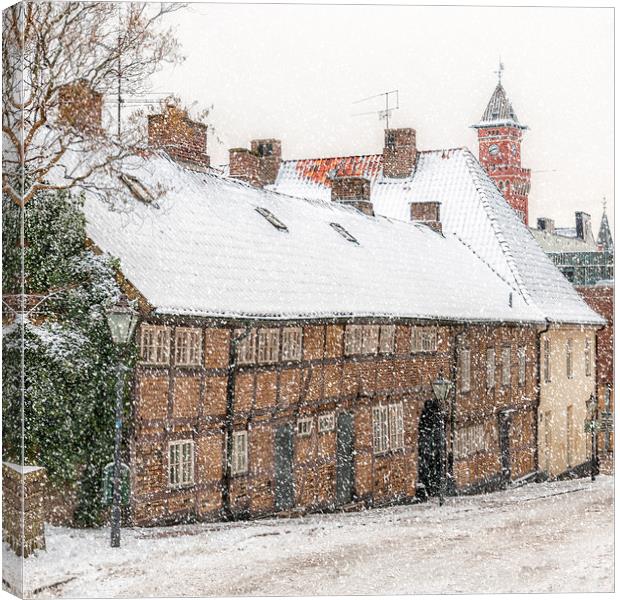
(229, 419)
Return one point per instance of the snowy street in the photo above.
(551, 537)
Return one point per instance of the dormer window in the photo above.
(344, 233)
(267, 214)
(137, 188)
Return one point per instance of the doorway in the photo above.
(345, 476)
(429, 449)
(284, 484)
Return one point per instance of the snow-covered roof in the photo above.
(203, 249)
(559, 242)
(474, 210)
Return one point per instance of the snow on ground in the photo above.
(549, 537)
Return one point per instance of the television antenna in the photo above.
(118, 97)
(391, 104)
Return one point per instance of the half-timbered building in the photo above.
(287, 350)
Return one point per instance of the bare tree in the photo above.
(50, 46)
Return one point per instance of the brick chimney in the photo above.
(258, 166)
(80, 107)
(399, 153)
(183, 139)
(428, 213)
(583, 226)
(354, 191)
(546, 224)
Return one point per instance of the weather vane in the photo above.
(500, 70)
(604, 204)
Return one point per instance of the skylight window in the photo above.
(344, 233)
(137, 188)
(271, 218)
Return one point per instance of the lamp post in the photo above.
(441, 389)
(122, 320)
(591, 424)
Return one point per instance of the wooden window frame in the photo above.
(470, 440)
(588, 357)
(246, 348)
(465, 370)
(193, 336)
(387, 337)
(353, 335)
(240, 456)
(291, 343)
(522, 363)
(491, 368)
(326, 422)
(161, 351)
(423, 340)
(506, 366)
(181, 471)
(302, 422)
(370, 339)
(396, 426)
(547, 360)
(267, 345)
(380, 429)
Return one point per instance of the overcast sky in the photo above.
(293, 72)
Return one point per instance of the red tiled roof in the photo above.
(321, 170)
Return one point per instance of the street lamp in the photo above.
(122, 320)
(591, 425)
(441, 389)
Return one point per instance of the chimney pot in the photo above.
(399, 153)
(428, 213)
(354, 191)
(546, 224)
(583, 226)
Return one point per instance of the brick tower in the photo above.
(499, 149)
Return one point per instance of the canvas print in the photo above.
(306, 300)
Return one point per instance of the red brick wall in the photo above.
(505, 165)
(175, 403)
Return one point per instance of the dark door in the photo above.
(284, 488)
(504, 443)
(344, 459)
(429, 449)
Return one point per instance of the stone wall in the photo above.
(23, 507)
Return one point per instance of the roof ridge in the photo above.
(375, 154)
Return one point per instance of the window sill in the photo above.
(389, 453)
(181, 486)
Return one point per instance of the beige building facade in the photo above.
(567, 380)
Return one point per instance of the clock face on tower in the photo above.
(493, 149)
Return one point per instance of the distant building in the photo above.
(581, 258)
